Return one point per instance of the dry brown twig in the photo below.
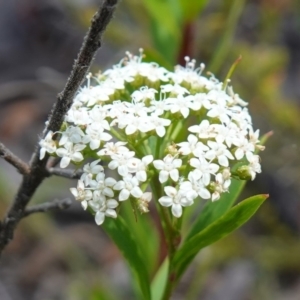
(36, 171)
(14, 160)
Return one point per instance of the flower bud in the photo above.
(244, 173)
(143, 203)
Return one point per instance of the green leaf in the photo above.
(165, 14)
(166, 27)
(159, 282)
(214, 210)
(122, 236)
(232, 220)
(141, 226)
(191, 9)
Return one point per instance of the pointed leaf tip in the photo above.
(227, 223)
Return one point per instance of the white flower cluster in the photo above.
(187, 130)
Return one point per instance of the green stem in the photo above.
(166, 222)
(172, 278)
(117, 135)
(141, 140)
(175, 241)
(171, 232)
(146, 147)
(176, 130)
(157, 148)
(230, 72)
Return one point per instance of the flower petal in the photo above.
(99, 217)
(136, 192)
(158, 164)
(124, 195)
(111, 213)
(65, 162)
(165, 201)
(176, 210)
(163, 176)
(174, 174)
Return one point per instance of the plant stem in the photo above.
(172, 278)
(171, 232)
(157, 148)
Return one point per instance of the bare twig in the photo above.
(11, 158)
(38, 171)
(92, 42)
(44, 207)
(71, 174)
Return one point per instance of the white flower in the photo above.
(81, 194)
(93, 167)
(72, 134)
(198, 101)
(158, 107)
(97, 117)
(254, 166)
(153, 72)
(174, 89)
(121, 161)
(78, 115)
(204, 130)
(139, 167)
(175, 199)
(99, 94)
(90, 170)
(179, 104)
(221, 185)
(103, 185)
(84, 95)
(104, 208)
(254, 139)
(218, 150)
(70, 152)
(191, 75)
(113, 148)
(227, 133)
(243, 147)
(117, 72)
(143, 94)
(115, 110)
(194, 187)
(242, 118)
(159, 124)
(192, 146)
(204, 169)
(135, 123)
(47, 145)
(168, 167)
(128, 186)
(136, 108)
(95, 135)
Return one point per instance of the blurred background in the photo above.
(64, 255)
